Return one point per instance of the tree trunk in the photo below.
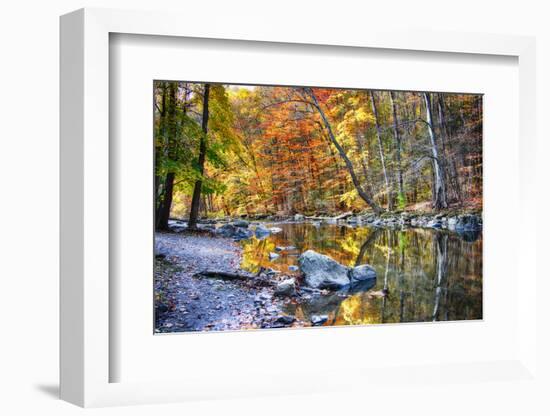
(439, 192)
(166, 205)
(441, 244)
(162, 122)
(367, 198)
(163, 213)
(389, 192)
(397, 147)
(195, 202)
(451, 163)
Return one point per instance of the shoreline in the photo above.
(186, 302)
(455, 221)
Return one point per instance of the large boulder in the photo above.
(362, 273)
(322, 272)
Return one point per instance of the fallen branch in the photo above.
(249, 279)
(218, 274)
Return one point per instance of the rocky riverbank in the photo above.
(188, 300)
(199, 286)
(241, 228)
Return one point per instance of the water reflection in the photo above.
(429, 275)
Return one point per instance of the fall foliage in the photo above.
(253, 151)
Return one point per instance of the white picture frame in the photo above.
(85, 220)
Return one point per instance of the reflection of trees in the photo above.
(429, 274)
(401, 272)
(441, 245)
(366, 245)
(389, 245)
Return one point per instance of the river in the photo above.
(429, 275)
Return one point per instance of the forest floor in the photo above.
(185, 301)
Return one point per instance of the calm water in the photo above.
(430, 274)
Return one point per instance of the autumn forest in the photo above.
(225, 150)
(283, 206)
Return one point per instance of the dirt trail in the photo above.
(184, 302)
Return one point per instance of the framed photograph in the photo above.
(272, 212)
(253, 215)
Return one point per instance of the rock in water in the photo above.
(451, 223)
(231, 231)
(273, 256)
(298, 217)
(317, 320)
(261, 230)
(272, 272)
(436, 223)
(293, 268)
(322, 272)
(286, 288)
(242, 233)
(226, 230)
(240, 223)
(362, 273)
(468, 223)
(275, 230)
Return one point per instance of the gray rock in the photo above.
(177, 226)
(231, 231)
(285, 319)
(242, 234)
(293, 268)
(275, 230)
(283, 248)
(206, 227)
(436, 223)
(362, 273)
(161, 252)
(241, 223)
(298, 217)
(273, 256)
(468, 222)
(322, 272)
(286, 288)
(317, 320)
(226, 230)
(261, 230)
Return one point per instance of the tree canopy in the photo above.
(285, 150)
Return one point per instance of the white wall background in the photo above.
(29, 207)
